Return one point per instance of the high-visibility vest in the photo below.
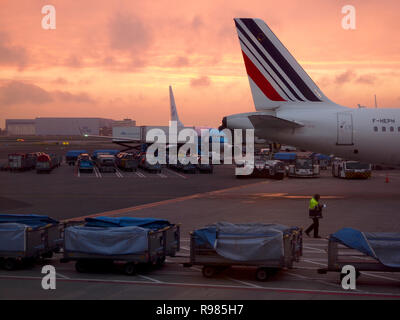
(313, 204)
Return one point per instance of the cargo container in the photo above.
(127, 161)
(106, 163)
(85, 163)
(72, 156)
(18, 162)
(45, 163)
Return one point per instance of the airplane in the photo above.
(213, 132)
(292, 110)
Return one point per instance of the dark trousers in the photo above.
(315, 226)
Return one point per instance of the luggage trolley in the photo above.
(26, 237)
(355, 248)
(171, 236)
(152, 251)
(206, 255)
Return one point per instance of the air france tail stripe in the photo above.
(271, 77)
(260, 80)
(280, 59)
(265, 69)
(268, 62)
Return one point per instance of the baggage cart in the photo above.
(151, 252)
(26, 239)
(205, 255)
(171, 231)
(342, 253)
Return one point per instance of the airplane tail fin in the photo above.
(174, 112)
(274, 74)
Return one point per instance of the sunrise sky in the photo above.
(115, 59)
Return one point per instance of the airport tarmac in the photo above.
(195, 201)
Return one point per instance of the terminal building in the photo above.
(61, 126)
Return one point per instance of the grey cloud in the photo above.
(128, 33)
(12, 55)
(16, 92)
(66, 96)
(344, 77)
(73, 61)
(366, 79)
(180, 62)
(200, 82)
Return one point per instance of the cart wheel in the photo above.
(129, 268)
(262, 274)
(48, 255)
(81, 266)
(160, 261)
(208, 271)
(9, 264)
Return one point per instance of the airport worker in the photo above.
(315, 213)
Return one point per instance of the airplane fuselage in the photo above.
(368, 135)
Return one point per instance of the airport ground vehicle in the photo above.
(94, 246)
(286, 157)
(264, 168)
(106, 163)
(144, 164)
(378, 251)
(72, 156)
(304, 167)
(323, 160)
(112, 152)
(25, 238)
(223, 245)
(351, 169)
(18, 162)
(85, 163)
(127, 161)
(47, 162)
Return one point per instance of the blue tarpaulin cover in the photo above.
(243, 242)
(75, 153)
(12, 237)
(106, 241)
(31, 220)
(285, 156)
(383, 246)
(148, 223)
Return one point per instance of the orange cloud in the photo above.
(123, 56)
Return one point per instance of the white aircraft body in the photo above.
(291, 109)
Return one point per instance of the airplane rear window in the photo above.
(376, 129)
(383, 129)
(391, 129)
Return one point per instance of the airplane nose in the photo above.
(223, 125)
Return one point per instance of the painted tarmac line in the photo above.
(62, 276)
(217, 286)
(244, 282)
(362, 272)
(315, 249)
(160, 203)
(149, 278)
(118, 173)
(176, 173)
